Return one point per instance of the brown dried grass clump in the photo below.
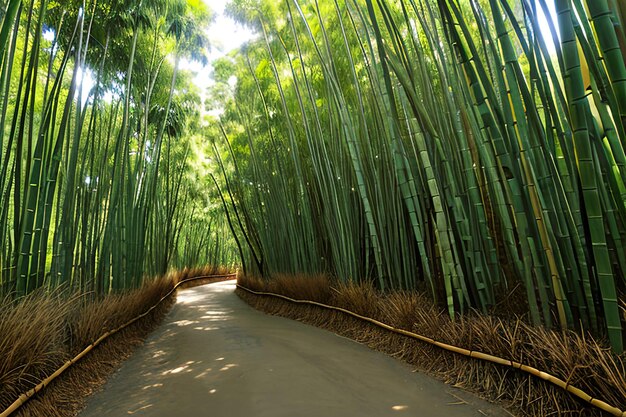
(42, 331)
(85, 321)
(209, 271)
(580, 360)
(93, 318)
(32, 342)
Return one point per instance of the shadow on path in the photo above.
(216, 356)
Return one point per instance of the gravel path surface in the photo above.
(216, 356)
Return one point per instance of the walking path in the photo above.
(216, 356)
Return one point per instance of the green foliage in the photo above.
(95, 185)
(436, 145)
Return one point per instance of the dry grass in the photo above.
(93, 318)
(207, 271)
(581, 360)
(33, 342)
(42, 331)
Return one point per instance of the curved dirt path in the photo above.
(216, 356)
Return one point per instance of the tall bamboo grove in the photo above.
(95, 117)
(456, 147)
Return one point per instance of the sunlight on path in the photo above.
(214, 355)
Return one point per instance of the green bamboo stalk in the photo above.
(579, 108)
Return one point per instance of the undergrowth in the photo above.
(42, 331)
(579, 359)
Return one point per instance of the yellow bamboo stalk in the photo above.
(21, 400)
(602, 405)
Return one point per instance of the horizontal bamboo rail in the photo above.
(462, 351)
(22, 399)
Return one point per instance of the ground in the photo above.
(215, 355)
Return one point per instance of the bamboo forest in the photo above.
(442, 181)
